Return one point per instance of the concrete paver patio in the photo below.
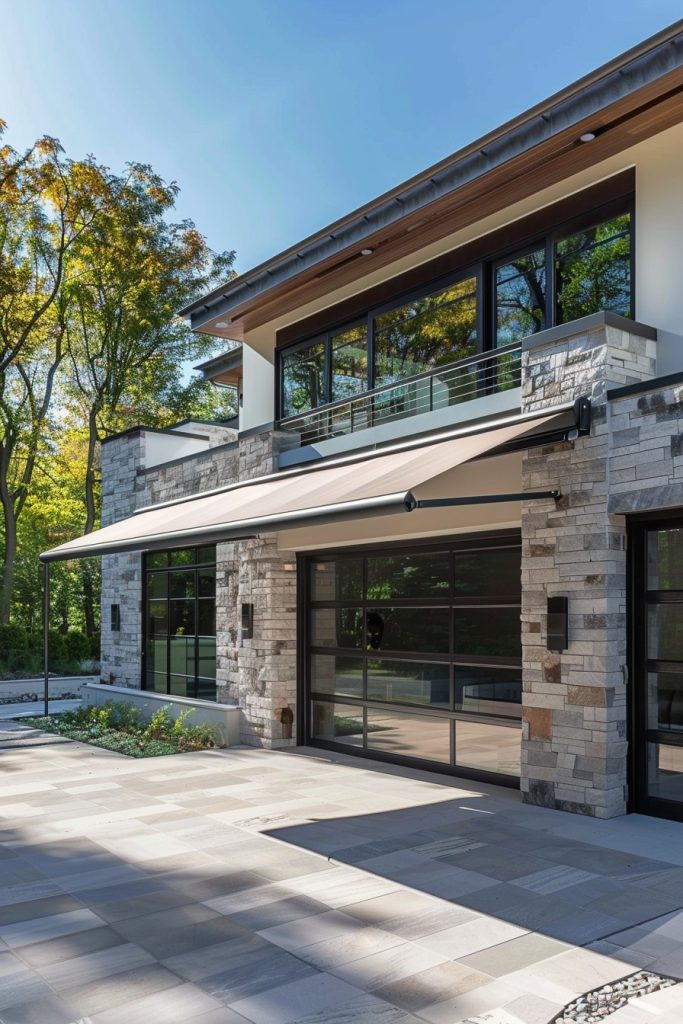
(245, 885)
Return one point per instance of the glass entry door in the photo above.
(658, 668)
(414, 654)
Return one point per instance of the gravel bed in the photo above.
(593, 1007)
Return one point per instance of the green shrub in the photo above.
(77, 717)
(13, 639)
(76, 646)
(57, 646)
(160, 725)
(125, 717)
(22, 652)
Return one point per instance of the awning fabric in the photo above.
(379, 484)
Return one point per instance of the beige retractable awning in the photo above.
(379, 483)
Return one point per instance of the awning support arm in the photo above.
(413, 503)
(46, 634)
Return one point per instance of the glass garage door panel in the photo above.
(416, 655)
(420, 736)
(337, 723)
(409, 682)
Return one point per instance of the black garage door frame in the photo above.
(463, 542)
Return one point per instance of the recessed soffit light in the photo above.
(366, 252)
(587, 137)
(221, 323)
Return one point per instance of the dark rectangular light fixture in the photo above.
(247, 621)
(116, 618)
(558, 630)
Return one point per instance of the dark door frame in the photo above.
(639, 735)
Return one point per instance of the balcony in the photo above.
(485, 375)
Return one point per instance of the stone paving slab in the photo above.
(186, 890)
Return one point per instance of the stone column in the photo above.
(574, 746)
(259, 673)
(123, 490)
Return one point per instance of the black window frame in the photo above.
(639, 598)
(197, 567)
(484, 273)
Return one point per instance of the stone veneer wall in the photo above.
(574, 703)
(259, 673)
(123, 491)
(646, 458)
(126, 486)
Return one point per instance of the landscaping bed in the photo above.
(118, 726)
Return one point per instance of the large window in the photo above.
(180, 622)
(349, 359)
(520, 297)
(303, 379)
(593, 270)
(417, 653)
(581, 267)
(429, 331)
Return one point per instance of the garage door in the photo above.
(413, 654)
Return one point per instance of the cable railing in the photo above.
(486, 374)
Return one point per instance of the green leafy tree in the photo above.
(47, 203)
(127, 348)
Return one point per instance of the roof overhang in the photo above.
(225, 368)
(627, 100)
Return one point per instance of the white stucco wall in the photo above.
(161, 448)
(258, 387)
(659, 244)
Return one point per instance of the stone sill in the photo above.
(585, 325)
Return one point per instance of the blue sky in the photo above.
(277, 116)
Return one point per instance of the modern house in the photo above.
(447, 529)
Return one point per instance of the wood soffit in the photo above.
(620, 126)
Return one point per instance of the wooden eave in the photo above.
(619, 126)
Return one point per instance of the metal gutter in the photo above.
(229, 360)
(626, 74)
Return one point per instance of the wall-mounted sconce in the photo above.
(558, 629)
(116, 618)
(247, 621)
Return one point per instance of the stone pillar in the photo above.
(258, 673)
(574, 746)
(123, 490)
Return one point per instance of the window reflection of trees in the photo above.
(428, 332)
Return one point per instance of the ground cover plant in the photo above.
(118, 726)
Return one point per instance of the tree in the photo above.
(47, 203)
(91, 277)
(53, 513)
(125, 279)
